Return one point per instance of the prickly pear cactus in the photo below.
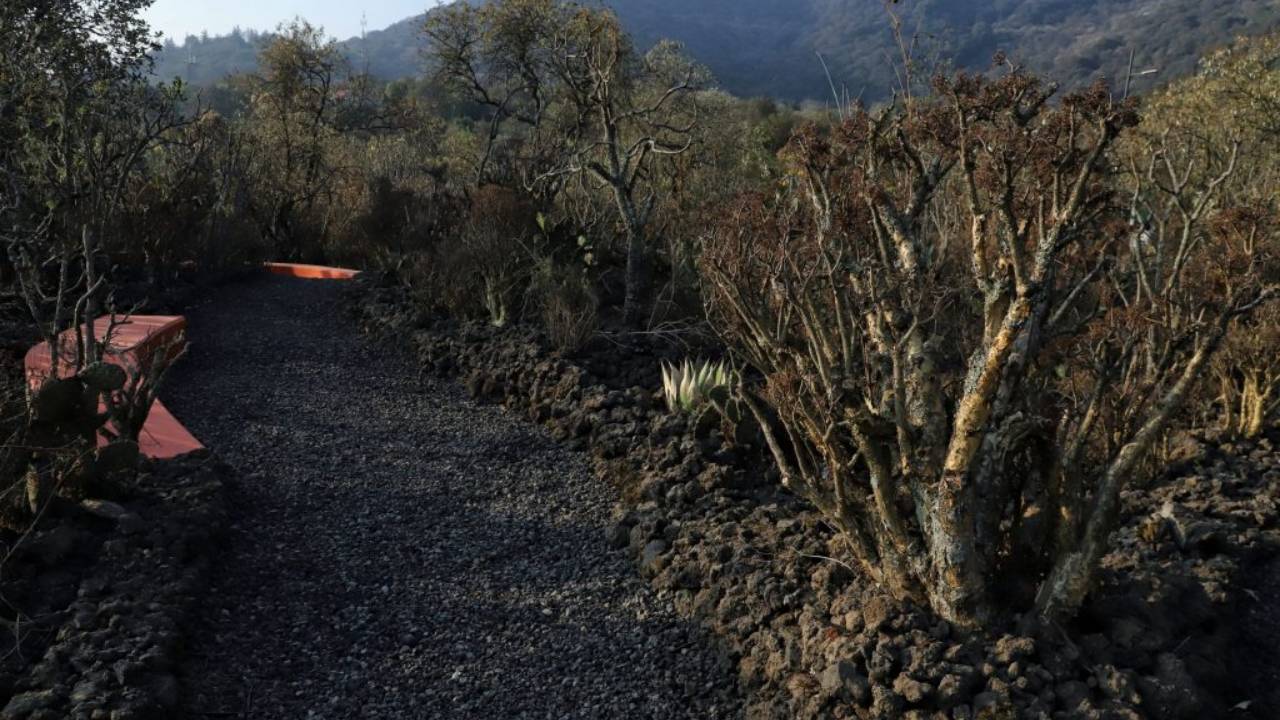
(58, 400)
(737, 424)
(65, 422)
(103, 377)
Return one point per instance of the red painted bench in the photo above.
(135, 342)
(312, 272)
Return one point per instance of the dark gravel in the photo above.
(400, 552)
(1255, 660)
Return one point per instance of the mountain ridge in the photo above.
(766, 48)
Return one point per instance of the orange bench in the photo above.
(135, 341)
(312, 272)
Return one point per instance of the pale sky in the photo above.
(339, 18)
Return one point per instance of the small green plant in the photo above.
(689, 386)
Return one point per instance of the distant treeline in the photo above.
(764, 47)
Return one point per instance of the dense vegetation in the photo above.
(964, 320)
(762, 47)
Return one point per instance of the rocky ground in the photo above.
(95, 604)
(1181, 627)
(95, 596)
(396, 550)
(392, 549)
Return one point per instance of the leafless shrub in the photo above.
(567, 307)
(1247, 370)
(486, 265)
(14, 455)
(129, 406)
(964, 362)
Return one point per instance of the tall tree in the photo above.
(77, 116)
(586, 103)
(293, 112)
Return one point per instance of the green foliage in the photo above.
(63, 432)
(96, 166)
(77, 123)
(293, 125)
(574, 109)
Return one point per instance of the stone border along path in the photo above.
(397, 551)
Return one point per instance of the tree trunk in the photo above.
(957, 588)
(1067, 585)
(638, 279)
(635, 304)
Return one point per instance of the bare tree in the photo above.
(590, 106)
(293, 109)
(629, 115)
(498, 56)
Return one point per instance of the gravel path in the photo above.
(1255, 660)
(400, 552)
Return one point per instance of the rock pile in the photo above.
(111, 587)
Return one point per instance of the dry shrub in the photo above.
(1246, 372)
(192, 205)
(1224, 114)
(435, 279)
(481, 269)
(496, 241)
(967, 349)
(14, 511)
(567, 306)
(396, 211)
(1247, 376)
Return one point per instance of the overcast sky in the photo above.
(340, 18)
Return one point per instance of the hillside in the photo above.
(763, 47)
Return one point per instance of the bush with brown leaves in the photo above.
(963, 364)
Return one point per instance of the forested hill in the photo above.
(771, 47)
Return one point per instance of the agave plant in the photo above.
(689, 386)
